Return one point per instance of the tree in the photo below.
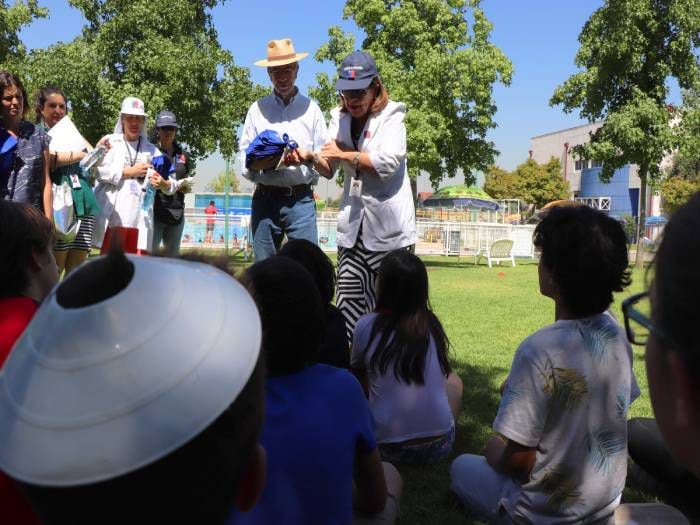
(629, 48)
(163, 51)
(538, 184)
(535, 184)
(12, 20)
(675, 191)
(500, 184)
(218, 184)
(435, 56)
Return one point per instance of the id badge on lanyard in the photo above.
(356, 187)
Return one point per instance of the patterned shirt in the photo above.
(25, 181)
(567, 394)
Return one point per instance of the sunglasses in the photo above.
(354, 93)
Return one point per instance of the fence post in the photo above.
(226, 188)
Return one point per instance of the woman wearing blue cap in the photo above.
(377, 213)
(169, 210)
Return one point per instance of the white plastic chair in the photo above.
(500, 250)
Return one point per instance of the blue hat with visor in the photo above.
(356, 71)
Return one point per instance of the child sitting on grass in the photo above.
(562, 457)
(400, 355)
(317, 429)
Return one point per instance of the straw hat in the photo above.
(280, 53)
(92, 393)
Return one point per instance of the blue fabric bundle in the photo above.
(267, 144)
(163, 166)
(8, 148)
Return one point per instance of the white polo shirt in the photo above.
(301, 119)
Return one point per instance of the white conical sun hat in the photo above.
(92, 393)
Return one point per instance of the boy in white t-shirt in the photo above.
(561, 456)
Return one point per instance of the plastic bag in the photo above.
(66, 224)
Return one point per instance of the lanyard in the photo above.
(132, 161)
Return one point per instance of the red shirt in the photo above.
(210, 210)
(15, 314)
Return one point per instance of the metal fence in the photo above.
(433, 237)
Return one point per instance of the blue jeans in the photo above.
(275, 215)
(170, 235)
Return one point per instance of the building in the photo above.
(619, 196)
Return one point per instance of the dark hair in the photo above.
(7, 80)
(291, 312)
(42, 96)
(586, 252)
(194, 484)
(676, 285)
(212, 203)
(381, 97)
(405, 322)
(23, 230)
(311, 257)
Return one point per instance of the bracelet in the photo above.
(356, 161)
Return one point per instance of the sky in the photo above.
(538, 36)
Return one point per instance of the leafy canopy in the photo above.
(629, 48)
(436, 57)
(218, 184)
(12, 20)
(163, 51)
(535, 184)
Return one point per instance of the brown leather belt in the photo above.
(284, 191)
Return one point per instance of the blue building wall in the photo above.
(623, 199)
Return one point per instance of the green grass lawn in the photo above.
(486, 312)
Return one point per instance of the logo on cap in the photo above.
(136, 104)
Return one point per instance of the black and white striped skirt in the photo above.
(83, 240)
(358, 268)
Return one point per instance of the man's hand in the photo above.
(298, 156)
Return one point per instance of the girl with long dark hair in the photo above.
(400, 355)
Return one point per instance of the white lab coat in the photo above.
(385, 210)
(120, 198)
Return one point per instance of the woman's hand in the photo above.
(135, 171)
(159, 182)
(333, 152)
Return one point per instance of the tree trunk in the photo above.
(641, 217)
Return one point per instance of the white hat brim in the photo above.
(188, 357)
(281, 62)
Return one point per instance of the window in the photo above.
(596, 164)
(581, 164)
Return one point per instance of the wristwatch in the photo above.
(315, 158)
(356, 161)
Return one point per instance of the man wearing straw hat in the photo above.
(283, 202)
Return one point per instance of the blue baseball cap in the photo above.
(356, 71)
